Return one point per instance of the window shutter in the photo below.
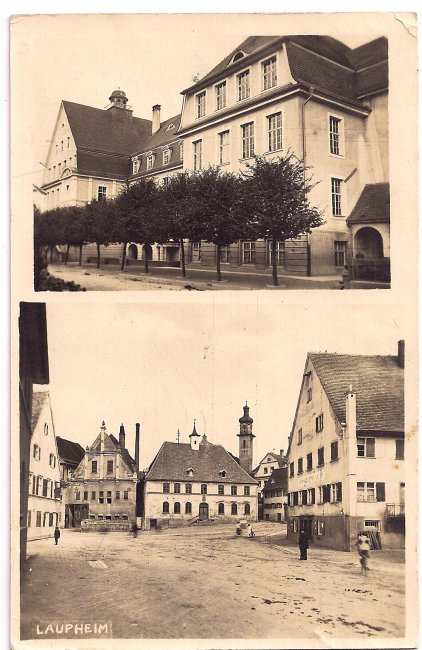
(370, 447)
(304, 497)
(339, 492)
(312, 495)
(380, 488)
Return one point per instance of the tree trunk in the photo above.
(122, 268)
(146, 249)
(80, 254)
(275, 277)
(98, 255)
(67, 254)
(182, 252)
(51, 253)
(218, 253)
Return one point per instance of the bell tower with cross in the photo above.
(246, 440)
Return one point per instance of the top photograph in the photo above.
(259, 163)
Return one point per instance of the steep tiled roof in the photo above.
(130, 462)
(114, 131)
(369, 53)
(373, 205)
(173, 460)
(38, 401)
(278, 479)
(110, 443)
(70, 452)
(378, 382)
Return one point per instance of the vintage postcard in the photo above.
(218, 432)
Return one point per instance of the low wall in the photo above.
(88, 526)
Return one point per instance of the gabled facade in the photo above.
(101, 492)
(346, 451)
(44, 473)
(274, 496)
(266, 467)
(196, 481)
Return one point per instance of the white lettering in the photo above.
(49, 628)
(38, 630)
(59, 629)
(88, 628)
(69, 626)
(79, 628)
(103, 627)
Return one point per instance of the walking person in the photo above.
(363, 550)
(303, 544)
(56, 535)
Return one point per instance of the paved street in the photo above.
(205, 582)
(134, 279)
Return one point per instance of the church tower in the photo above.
(246, 440)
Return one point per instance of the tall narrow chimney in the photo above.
(156, 118)
(138, 426)
(401, 354)
(122, 437)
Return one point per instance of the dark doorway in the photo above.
(203, 511)
(153, 524)
(75, 513)
(132, 252)
(147, 252)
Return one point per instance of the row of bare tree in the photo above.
(267, 201)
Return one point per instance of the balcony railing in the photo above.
(395, 510)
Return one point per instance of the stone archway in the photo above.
(368, 244)
(132, 252)
(147, 252)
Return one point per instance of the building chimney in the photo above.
(281, 452)
(122, 437)
(351, 413)
(102, 436)
(401, 354)
(138, 426)
(156, 118)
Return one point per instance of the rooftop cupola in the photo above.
(118, 100)
(246, 418)
(194, 437)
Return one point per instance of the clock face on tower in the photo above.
(243, 427)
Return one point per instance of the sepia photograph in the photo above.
(197, 460)
(166, 461)
(256, 162)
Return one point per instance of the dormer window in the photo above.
(170, 127)
(150, 160)
(166, 155)
(237, 56)
(269, 73)
(136, 165)
(223, 473)
(189, 471)
(200, 104)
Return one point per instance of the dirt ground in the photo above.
(207, 583)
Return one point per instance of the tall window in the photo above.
(109, 467)
(94, 465)
(300, 466)
(85, 495)
(221, 490)
(248, 146)
(247, 509)
(247, 491)
(279, 253)
(234, 490)
(200, 104)
(274, 132)
(336, 492)
(321, 456)
(117, 495)
(334, 450)
(188, 508)
(166, 487)
(177, 488)
(204, 488)
(291, 470)
(335, 135)
(243, 85)
(150, 160)
(125, 495)
(340, 249)
(165, 508)
(177, 508)
(108, 497)
(93, 495)
(399, 449)
(181, 150)
(101, 496)
(135, 166)
(220, 96)
(234, 508)
(221, 508)
(366, 447)
(197, 155)
(102, 193)
(248, 249)
(269, 73)
(166, 156)
(36, 452)
(309, 462)
(196, 251)
(336, 196)
(319, 423)
(223, 147)
(188, 488)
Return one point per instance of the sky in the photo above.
(152, 57)
(164, 366)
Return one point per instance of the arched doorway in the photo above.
(132, 252)
(147, 252)
(368, 244)
(203, 511)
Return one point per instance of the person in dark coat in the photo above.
(56, 535)
(303, 544)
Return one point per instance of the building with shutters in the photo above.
(44, 502)
(262, 473)
(346, 451)
(197, 481)
(101, 492)
(312, 95)
(274, 496)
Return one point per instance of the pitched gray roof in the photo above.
(378, 382)
(278, 479)
(38, 401)
(173, 460)
(70, 452)
(373, 205)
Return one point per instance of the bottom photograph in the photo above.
(212, 472)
